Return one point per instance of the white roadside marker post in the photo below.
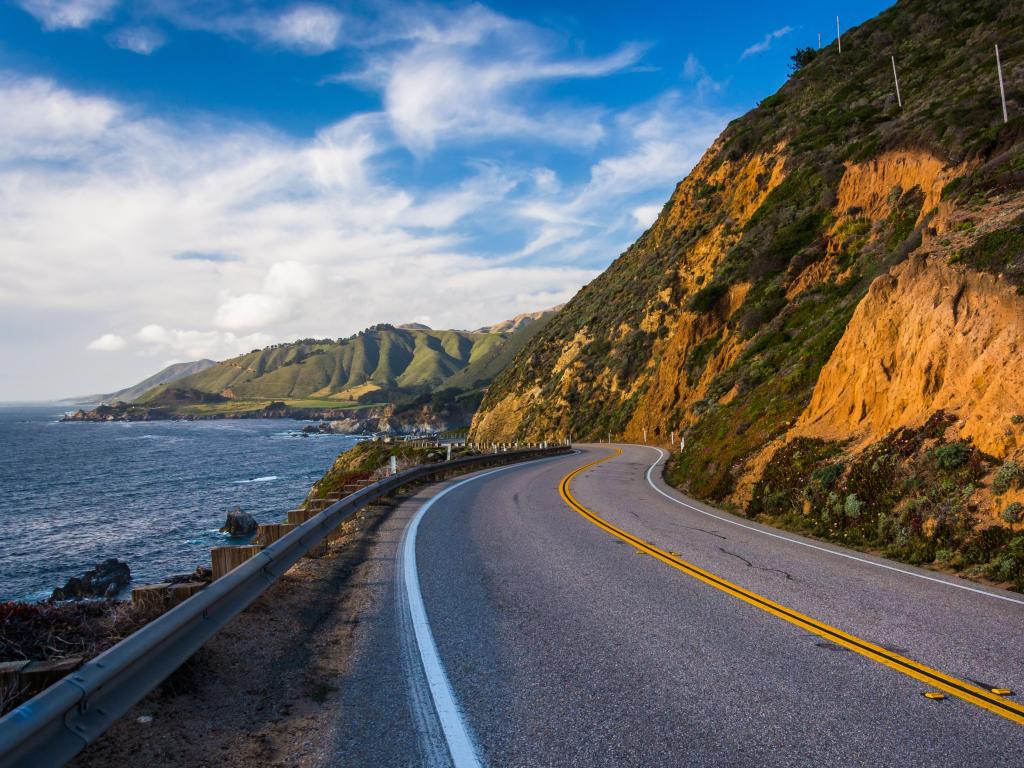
(645, 436)
(839, 37)
(682, 443)
(394, 465)
(899, 99)
(1002, 89)
(673, 440)
(449, 452)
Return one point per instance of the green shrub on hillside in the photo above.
(1007, 476)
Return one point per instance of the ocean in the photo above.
(150, 493)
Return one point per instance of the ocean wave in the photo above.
(266, 479)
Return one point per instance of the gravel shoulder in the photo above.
(264, 691)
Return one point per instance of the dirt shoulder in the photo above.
(260, 692)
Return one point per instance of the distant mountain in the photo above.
(400, 367)
(165, 376)
(519, 321)
(383, 364)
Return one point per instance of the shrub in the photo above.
(1013, 513)
(852, 506)
(950, 455)
(707, 298)
(828, 475)
(801, 59)
(1006, 477)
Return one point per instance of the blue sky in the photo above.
(191, 179)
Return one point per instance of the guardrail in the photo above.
(57, 724)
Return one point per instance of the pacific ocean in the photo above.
(150, 493)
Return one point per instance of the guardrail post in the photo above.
(225, 559)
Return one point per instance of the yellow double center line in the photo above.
(980, 697)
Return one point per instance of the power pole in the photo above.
(839, 38)
(819, 48)
(899, 99)
(1002, 90)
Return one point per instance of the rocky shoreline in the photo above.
(375, 422)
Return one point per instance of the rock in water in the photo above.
(105, 580)
(239, 523)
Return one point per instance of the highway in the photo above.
(548, 615)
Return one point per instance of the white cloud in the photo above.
(645, 215)
(40, 121)
(141, 40)
(464, 77)
(285, 284)
(766, 42)
(320, 242)
(63, 14)
(694, 71)
(659, 144)
(308, 28)
(108, 342)
(193, 345)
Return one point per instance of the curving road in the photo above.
(515, 626)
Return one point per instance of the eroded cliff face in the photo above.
(927, 337)
(707, 211)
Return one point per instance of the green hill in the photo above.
(401, 366)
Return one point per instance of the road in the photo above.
(516, 627)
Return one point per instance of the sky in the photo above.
(200, 178)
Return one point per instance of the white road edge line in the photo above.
(460, 743)
(650, 481)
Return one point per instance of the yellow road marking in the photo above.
(951, 685)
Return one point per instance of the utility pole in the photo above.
(819, 48)
(899, 99)
(1002, 90)
(839, 38)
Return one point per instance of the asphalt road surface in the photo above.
(516, 626)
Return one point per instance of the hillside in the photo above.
(829, 306)
(385, 375)
(166, 375)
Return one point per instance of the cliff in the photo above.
(838, 278)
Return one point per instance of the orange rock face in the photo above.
(926, 336)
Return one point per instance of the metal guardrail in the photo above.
(51, 728)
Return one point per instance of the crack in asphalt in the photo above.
(788, 576)
(716, 534)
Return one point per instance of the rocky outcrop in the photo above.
(926, 337)
(107, 579)
(239, 523)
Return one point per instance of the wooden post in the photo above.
(899, 99)
(268, 533)
(151, 599)
(179, 593)
(226, 559)
(299, 516)
(10, 680)
(1002, 90)
(39, 675)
